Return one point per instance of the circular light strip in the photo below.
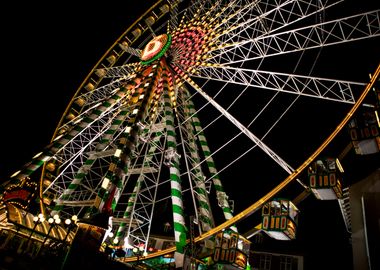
(155, 49)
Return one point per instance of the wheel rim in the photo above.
(215, 67)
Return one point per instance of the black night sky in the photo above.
(48, 50)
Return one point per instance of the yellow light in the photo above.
(339, 165)
(377, 118)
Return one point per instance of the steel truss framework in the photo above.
(133, 138)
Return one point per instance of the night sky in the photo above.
(47, 51)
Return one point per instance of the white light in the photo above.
(16, 173)
(35, 219)
(78, 120)
(67, 221)
(146, 85)
(141, 248)
(58, 137)
(56, 216)
(127, 129)
(74, 218)
(105, 183)
(117, 153)
(115, 90)
(135, 111)
(58, 220)
(141, 96)
(51, 220)
(40, 216)
(127, 244)
(46, 158)
(39, 154)
(115, 241)
(135, 249)
(110, 234)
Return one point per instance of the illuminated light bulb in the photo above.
(117, 153)
(16, 173)
(37, 155)
(105, 183)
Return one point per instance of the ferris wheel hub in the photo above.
(155, 48)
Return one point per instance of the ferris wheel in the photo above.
(194, 104)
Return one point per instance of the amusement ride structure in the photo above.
(193, 100)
